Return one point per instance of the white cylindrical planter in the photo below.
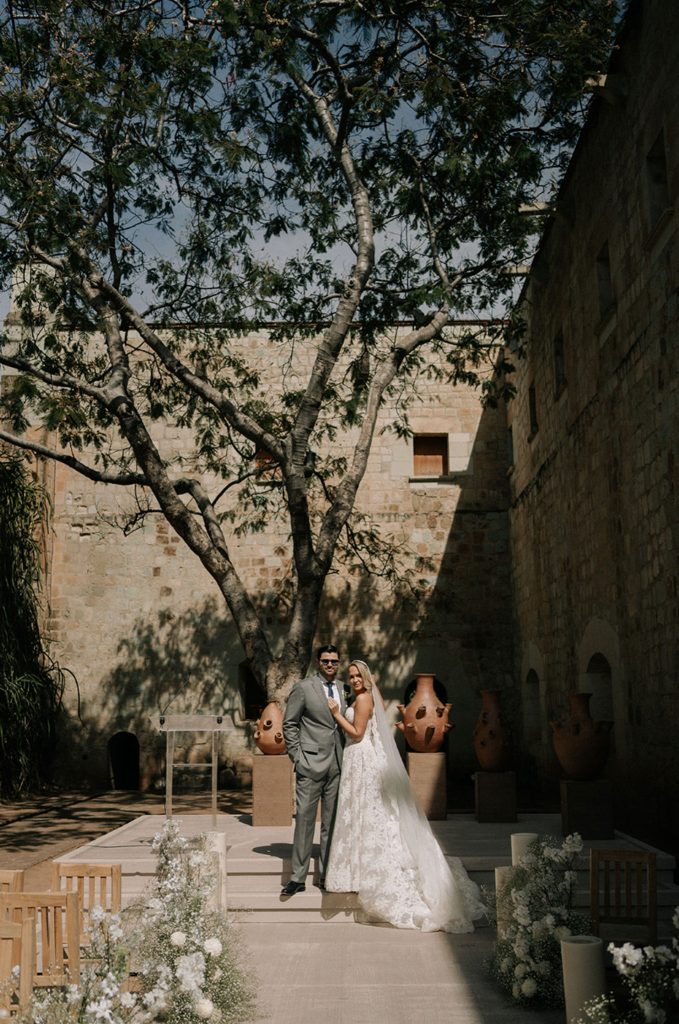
(520, 843)
(582, 959)
(217, 849)
(503, 917)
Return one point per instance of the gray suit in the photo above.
(314, 742)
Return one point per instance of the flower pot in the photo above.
(269, 730)
(581, 744)
(491, 736)
(425, 718)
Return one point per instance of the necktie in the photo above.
(331, 692)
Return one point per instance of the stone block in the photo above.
(587, 808)
(495, 796)
(271, 790)
(428, 779)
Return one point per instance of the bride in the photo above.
(383, 847)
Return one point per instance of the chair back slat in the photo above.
(55, 923)
(17, 948)
(623, 890)
(95, 884)
(11, 880)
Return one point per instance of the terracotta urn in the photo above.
(425, 718)
(581, 744)
(269, 729)
(491, 735)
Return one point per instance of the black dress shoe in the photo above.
(321, 886)
(292, 888)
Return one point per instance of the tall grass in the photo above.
(31, 685)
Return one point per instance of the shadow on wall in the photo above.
(465, 635)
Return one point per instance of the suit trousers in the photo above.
(308, 793)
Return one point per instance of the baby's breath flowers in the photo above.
(650, 983)
(183, 950)
(535, 903)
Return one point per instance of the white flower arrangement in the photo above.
(650, 985)
(535, 903)
(185, 953)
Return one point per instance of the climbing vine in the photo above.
(31, 685)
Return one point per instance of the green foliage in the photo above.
(30, 687)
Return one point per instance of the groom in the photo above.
(314, 743)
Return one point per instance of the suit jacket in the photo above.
(313, 739)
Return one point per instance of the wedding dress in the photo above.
(383, 847)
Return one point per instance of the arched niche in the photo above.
(123, 759)
(532, 714)
(598, 681)
(601, 674)
(252, 694)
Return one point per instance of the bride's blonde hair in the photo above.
(364, 672)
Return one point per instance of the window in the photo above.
(559, 365)
(532, 411)
(657, 182)
(430, 455)
(604, 282)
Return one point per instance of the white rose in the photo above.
(212, 947)
(528, 987)
(128, 1000)
(178, 938)
(204, 1008)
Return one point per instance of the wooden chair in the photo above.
(11, 881)
(17, 948)
(57, 933)
(96, 885)
(623, 893)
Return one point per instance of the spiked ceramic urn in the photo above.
(581, 744)
(425, 718)
(269, 730)
(491, 736)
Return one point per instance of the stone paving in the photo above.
(307, 972)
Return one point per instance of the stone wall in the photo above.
(144, 630)
(594, 492)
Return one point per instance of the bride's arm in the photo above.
(363, 705)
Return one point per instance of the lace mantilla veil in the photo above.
(453, 899)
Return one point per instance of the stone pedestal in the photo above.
(428, 778)
(272, 799)
(495, 796)
(587, 808)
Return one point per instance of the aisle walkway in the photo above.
(314, 963)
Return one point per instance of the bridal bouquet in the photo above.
(650, 983)
(535, 904)
(184, 952)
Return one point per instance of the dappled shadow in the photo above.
(173, 663)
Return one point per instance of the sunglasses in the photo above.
(329, 661)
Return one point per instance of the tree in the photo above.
(151, 151)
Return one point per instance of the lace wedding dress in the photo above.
(383, 847)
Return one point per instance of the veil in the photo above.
(453, 899)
